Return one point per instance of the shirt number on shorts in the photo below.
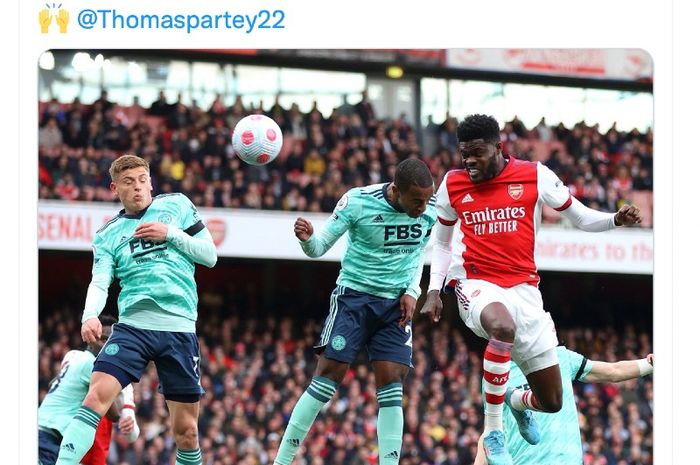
(409, 331)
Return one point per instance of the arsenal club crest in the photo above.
(515, 191)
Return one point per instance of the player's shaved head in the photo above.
(479, 127)
(412, 172)
(126, 162)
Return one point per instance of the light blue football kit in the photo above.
(560, 438)
(384, 255)
(158, 291)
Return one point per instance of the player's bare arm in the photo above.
(432, 306)
(303, 229)
(628, 215)
(408, 307)
(605, 372)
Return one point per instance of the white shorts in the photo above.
(535, 333)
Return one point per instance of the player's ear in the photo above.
(394, 191)
(113, 187)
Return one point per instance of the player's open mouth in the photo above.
(473, 172)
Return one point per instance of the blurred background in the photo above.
(348, 117)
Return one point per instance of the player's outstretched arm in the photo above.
(628, 215)
(591, 220)
(315, 245)
(605, 372)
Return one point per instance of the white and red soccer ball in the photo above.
(257, 139)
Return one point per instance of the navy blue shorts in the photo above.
(49, 444)
(175, 355)
(358, 320)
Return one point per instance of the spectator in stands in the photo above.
(160, 106)
(361, 152)
(365, 110)
(50, 135)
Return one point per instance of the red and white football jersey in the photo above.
(498, 221)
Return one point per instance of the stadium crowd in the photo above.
(253, 369)
(190, 151)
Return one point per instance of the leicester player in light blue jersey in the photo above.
(559, 433)
(388, 226)
(66, 393)
(151, 247)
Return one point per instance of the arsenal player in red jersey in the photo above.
(496, 203)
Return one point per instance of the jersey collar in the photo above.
(134, 216)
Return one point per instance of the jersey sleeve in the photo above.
(102, 275)
(552, 190)
(190, 222)
(447, 215)
(344, 216)
(578, 366)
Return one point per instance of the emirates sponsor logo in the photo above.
(487, 214)
(493, 221)
(515, 191)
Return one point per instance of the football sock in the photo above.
(523, 399)
(188, 457)
(390, 423)
(305, 411)
(496, 372)
(79, 437)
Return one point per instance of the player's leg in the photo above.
(389, 377)
(120, 362)
(184, 416)
(177, 363)
(328, 375)
(488, 312)
(80, 434)
(535, 353)
(390, 349)
(340, 340)
(545, 393)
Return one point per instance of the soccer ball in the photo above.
(257, 139)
